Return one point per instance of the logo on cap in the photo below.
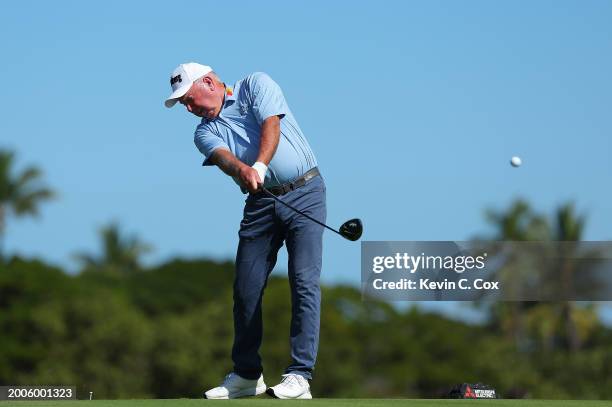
(175, 79)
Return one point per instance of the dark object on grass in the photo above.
(473, 391)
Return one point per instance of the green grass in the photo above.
(263, 402)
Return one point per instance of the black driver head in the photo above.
(352, 229)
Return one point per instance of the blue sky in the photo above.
(413, 109)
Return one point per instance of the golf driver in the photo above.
(350, 230)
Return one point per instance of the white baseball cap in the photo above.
(183, 77)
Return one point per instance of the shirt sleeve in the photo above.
(266, 97)
(207, 142)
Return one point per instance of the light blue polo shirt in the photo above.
(238, 129)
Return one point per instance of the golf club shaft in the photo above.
(298, 211)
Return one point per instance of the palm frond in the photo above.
(29, 201)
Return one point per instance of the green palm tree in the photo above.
(517, 223)
(569, 225)
(569, 228)
(20, 194)
(563, 320)
(119, 253)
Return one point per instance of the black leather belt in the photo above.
(296, 183)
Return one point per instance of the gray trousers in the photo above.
(266, 224)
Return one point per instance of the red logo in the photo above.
(469, 393)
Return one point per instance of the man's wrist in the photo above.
(261, 169)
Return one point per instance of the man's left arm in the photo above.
(269, 107)
(270, 135)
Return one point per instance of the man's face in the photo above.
(201, 99)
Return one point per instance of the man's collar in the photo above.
(229, 94)
(228, 97)
(228, 100)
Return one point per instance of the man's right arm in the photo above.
(232, 166)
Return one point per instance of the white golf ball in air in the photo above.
(516, 161)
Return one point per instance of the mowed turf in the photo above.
(261, 402)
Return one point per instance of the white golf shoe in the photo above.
(292, 386)
(235, 386)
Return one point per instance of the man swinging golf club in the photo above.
(249, 132)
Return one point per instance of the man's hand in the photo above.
(249, 177)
